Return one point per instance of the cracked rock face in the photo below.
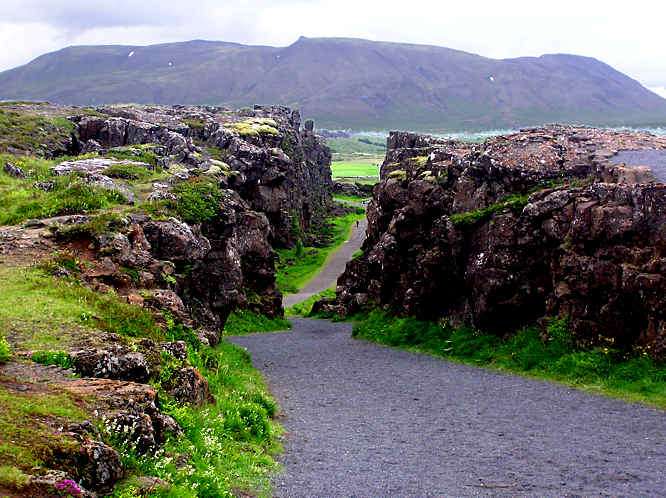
(276, 167)
(441, 245)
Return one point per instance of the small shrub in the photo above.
(199, 200)
(127, 171)
(298, 250)
(5, 350)
(57, 358)
(62, 262)
(98, 225)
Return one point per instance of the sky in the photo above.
(630, 36)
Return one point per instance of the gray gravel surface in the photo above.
(366, 420)
(655, 159)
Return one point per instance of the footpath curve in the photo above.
(367, 420)
(329, 274)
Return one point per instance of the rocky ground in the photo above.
(519, 228)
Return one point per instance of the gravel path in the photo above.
(655, 159)
(329, 274)
(365, 420)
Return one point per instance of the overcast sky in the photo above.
(631, 37)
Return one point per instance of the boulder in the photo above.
(112, 362)
(12, 170)
(91, 166)
(189, 386)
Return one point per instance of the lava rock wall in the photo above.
(519, 228)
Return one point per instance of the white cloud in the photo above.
(629, 39)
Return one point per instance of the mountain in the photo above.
(345, 83)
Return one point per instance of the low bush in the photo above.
(199, 200)
(5, 350)
(57, 358)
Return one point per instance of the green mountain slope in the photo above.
(345, 83)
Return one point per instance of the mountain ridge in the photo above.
(345, 83)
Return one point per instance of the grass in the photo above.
(351, 198)
(300, 264)
(32, 133)
(243, 322)
(27, 434)
(253, 127)
(305, 307)
(21, 201)
(40, 312)
(366, 167)
(629, 375)
(515, 202)
(231, 442)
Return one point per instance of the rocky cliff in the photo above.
(518, 228)
(263, 154)
(227, 186)
(161, 223)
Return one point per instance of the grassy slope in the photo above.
(630, 375)
(298, 269)
(231, 442)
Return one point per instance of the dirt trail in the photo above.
(366, 420)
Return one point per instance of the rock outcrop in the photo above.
(276, 167)
(521, 227)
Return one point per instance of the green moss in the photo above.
(514, 202)
(195, 123)
(253, 127)
(398, 174)
(419, 161)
